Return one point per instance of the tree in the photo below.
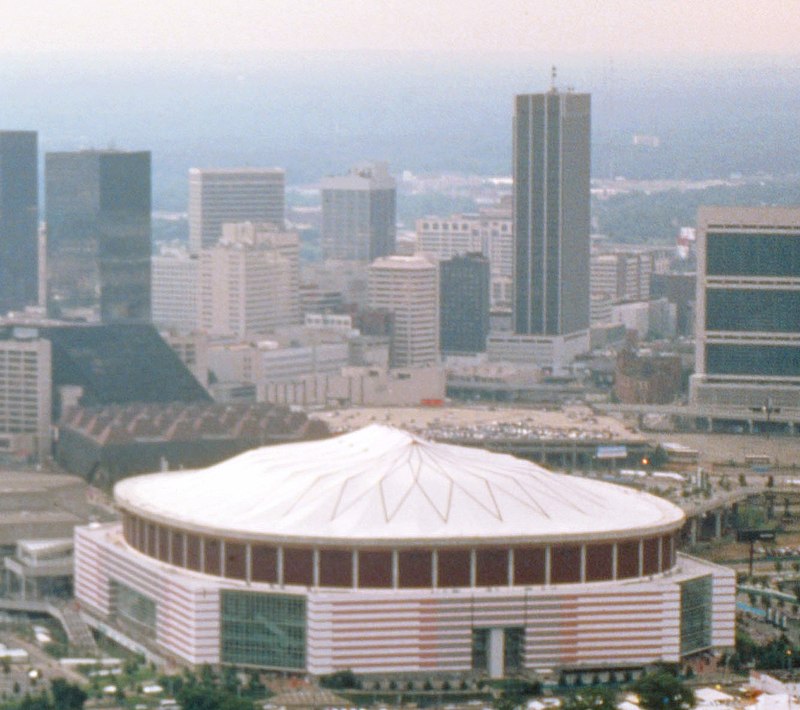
(206, 698)
(592, 698)
(662, 690)
(38, 702)
(67, 696)
(207, 677)
(230, 679)
(341, 680)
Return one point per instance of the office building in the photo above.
(408, 287)
(25, 393)
(622, 274)
(489, 231)
(221, 195)
(175, 290)
(464, 304)
(98, 205)
(19, 220)
(380, 552)
(747, 339)
(359, 213)
(551, 215)
(250, 281)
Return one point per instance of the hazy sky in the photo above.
(616, 27)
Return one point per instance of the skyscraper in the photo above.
(408, 287)
(221, 195)
(359, 212)
(98, 207)
(464, 303)
(747, 344)
(551, 213)
(19, 216)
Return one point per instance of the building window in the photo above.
(133, 607)
(513, 649)
(696, 603)
(480, 649)
(742, 254)
(267, 630)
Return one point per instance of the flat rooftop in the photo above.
(27, 482)
(486, 422)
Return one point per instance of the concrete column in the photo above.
(315, 567)
(693, 531)
(473, 567)
(583, 563)
(660, 553)
(222, 558)
(355, 568)
(280, 566)
(641, 557)
(547, 561)
(248, 562)
(614, 556)
(510, 566)
(496, 653)
(434, 569)
(395, 569)
(717, 523)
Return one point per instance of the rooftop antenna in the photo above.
(553, 74)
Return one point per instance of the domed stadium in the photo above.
(380, 552)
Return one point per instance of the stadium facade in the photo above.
(381, 552)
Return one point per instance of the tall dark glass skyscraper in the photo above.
(464, 304)
(551, 213)
(19, 217)
(98, 207)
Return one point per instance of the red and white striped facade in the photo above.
(609, 597)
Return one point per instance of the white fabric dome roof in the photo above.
(383, 485)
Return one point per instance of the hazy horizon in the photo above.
(316, 113)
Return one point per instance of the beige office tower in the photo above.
(408, 287)
(175, 286)
(622, 274)
(25, 392)
(250, 281)
(221, 195)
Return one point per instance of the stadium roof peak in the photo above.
(383, 485)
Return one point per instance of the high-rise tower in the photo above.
(551, 213)
(98, 205)
(408, 287)
(359, 213)
(19, 215)
(747, 309)
(464, 303)
(221, 195)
